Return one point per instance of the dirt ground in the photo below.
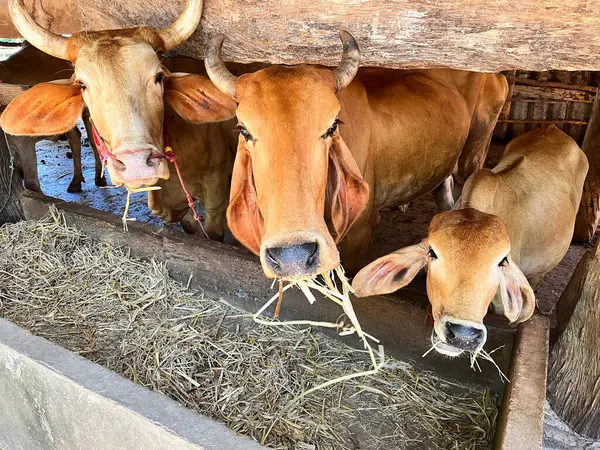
(396, 229)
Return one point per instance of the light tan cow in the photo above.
(120, 78)
(515, 223)
(30, 66)
(322, 151)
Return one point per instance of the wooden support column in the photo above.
(589, 210)
(574, 367)
(10, 186)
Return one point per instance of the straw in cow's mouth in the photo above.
(438, 344)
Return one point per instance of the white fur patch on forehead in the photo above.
(116, 59)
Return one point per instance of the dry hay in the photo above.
(129, 316)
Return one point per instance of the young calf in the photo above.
(512, 225)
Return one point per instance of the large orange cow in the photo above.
(321, 151)
(513, 225)
(120, 78)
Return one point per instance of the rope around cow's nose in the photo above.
(170, 156)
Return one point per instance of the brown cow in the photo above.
(515, 225)
(300, 185)
(205, 166)
(205, 154)
(121, 80)
(30, 66)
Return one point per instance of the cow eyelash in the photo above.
(504, 262)
(431, 254)
(244, 132)
(331, 130)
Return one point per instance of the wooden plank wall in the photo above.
(559, 97)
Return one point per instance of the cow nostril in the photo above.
(464, 336)
(272, 259)
(154, 160)
(119, 165)
(295, 260)
(449, 331)
(312, 258)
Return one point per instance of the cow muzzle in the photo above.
(296, 255)
(136, 166)
(452, 336)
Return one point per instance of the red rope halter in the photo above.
(105, 154)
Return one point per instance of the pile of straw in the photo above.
(129, 316)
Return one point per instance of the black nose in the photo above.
(295, 260)
(464, 337)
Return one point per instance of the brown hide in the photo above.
(406, 132)
(205, 154)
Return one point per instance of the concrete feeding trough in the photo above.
(207, 266)
(52, 398)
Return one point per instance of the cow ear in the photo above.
(347, 191)
(243, 216)
(391, 272)
(197, 99)
(518, 299)
(46, 109)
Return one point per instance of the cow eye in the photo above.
(432, 254)
(504, 262)
(82, 85)
(244, 132)
(331, 130)
(159, 77)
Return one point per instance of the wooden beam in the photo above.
(521, 418)
(537, 94)
(543, 121)
(574, 368)
(59, 16)
(462, 34)
(588, 216)
(553, 84)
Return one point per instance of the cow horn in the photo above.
(216, 70)
(45, 40)
(348, 67)
(180, 30)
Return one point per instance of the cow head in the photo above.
(468, 263)
(120, 78)
(296, 188)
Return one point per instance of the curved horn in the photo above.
(348, 67)
(216, 70)
(180, 30)
(45, 40)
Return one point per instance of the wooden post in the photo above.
(573, 388)
(10, 186)
(589, 210)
